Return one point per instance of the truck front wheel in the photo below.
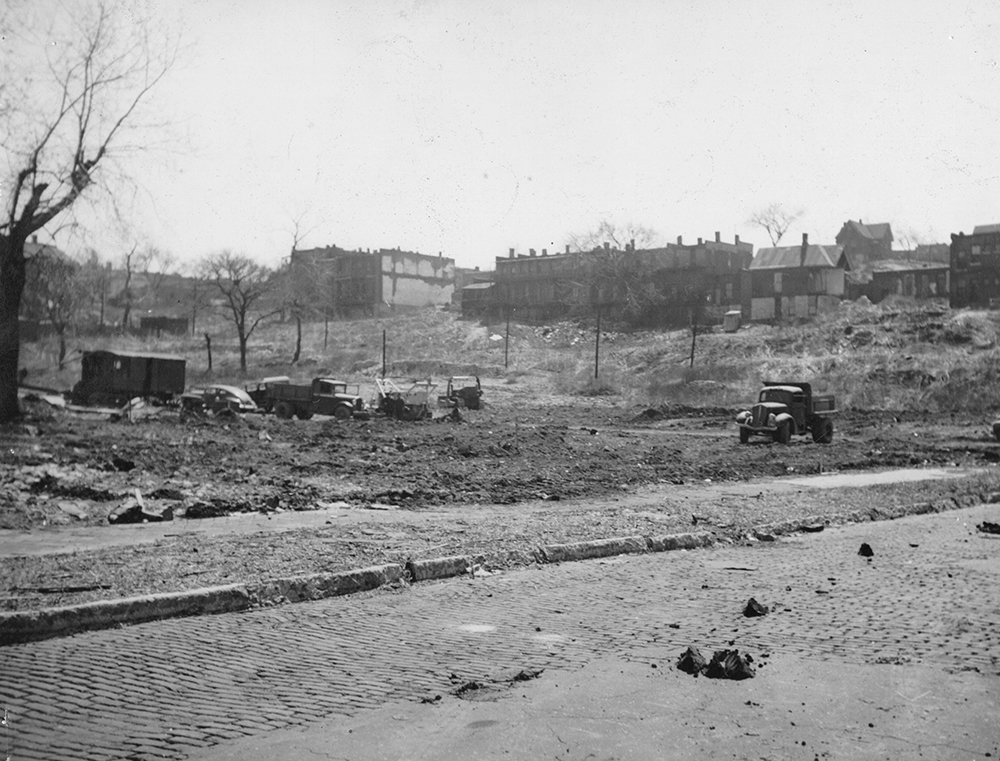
(342, 412)
(284, 410)
(303, 414)
(784, 433)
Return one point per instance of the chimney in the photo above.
(718, 238)
(699, 241)
(545, 252)
(632, 243)
(531, 252)
(737, 240)
(607, 246)
(680, 240)
(567, 248)
(805, 248)
(511, 254)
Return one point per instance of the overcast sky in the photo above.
(468, 127)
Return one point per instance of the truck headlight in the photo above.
(772, 421)
(743, 417)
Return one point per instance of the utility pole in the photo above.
(597, 344)
(383, 352)
(506, 340)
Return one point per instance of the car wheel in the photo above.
(744, 435)
(784, 433)
(303, 414)
(283, 410)
(342, 412)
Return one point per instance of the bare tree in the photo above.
(127, 295)
(618, 236)
(53, 292)
(775, 220)
(156, 265)
(615, 274)
(94, 278)
(69, 100)
(244, 285)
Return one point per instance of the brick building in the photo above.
(975, 267)
(549, 286)
(361, 283)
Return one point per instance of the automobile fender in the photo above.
(743, 417)
(782, 417)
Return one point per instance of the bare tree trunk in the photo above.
(326, 327)
(12, 277)
(62, 347)
(298, 339)
(243, 352)
(208, 346)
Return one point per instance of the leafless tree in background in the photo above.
(244, 285)
(775, 220)
(71, 97)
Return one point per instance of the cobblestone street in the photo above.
(165, 690)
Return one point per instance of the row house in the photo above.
(551, 285)
(975, 267)
(346, 283)
(794, 281)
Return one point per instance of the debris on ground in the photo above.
(988, 528)
(754, 609)
(729, 664)
(725, 664)
(135, 510)
(866, 550)
(692, 661)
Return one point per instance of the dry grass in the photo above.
(893, 356)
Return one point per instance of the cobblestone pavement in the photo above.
(162, 690)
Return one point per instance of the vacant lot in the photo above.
(551, 457)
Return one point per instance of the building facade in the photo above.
(975, 268)
(794, 281)
(864, 244)
(656, 287)
(344, 283)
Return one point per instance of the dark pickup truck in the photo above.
(785, 409)
(324, 396)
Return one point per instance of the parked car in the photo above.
(322, 396)
(788, 409)
(217, 398)
(259, 390)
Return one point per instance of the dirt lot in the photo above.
(496, 484)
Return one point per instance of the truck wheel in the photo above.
(784, 433)
(823, 432)
(303, 414)
(472, 402)
(744, 435)
(342, 412)
(283, 410)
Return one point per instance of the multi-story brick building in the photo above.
(656, 286)
(975, 267)
(351, 283)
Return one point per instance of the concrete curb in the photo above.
(32, 625)
(26, 626)
(438, 568)
(597, 548)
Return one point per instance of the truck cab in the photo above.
(784, 409)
